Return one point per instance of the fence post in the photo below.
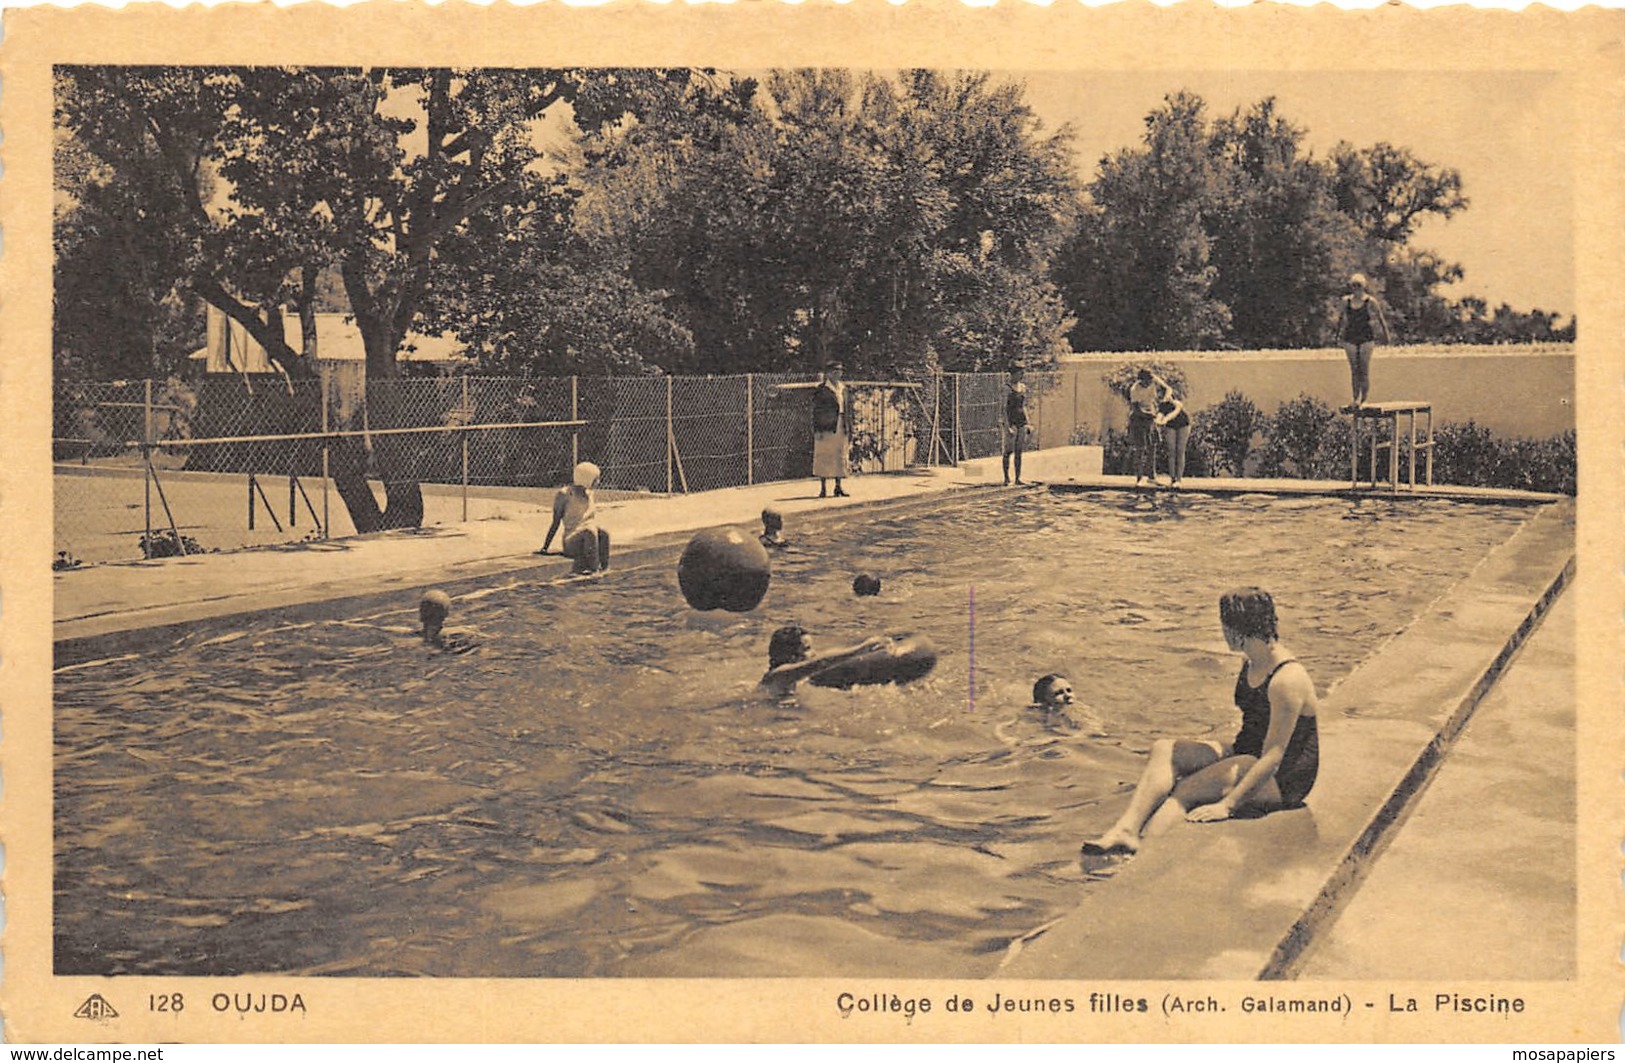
(469, 414)
(671, 433)
(326, 522)
(936, 415)
(146, 464)
(959, 434)
(575, 415)
(1075, 376)
(750, 429)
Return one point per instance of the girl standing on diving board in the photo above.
(1362, 316)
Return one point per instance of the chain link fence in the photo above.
(165, 467)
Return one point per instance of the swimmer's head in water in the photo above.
(586, 475)
(1053, 691)
(1248, 612)
(433, 609)
(789, 645)
(772, 520)
(866, 586)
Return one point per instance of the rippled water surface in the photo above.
(596, 790)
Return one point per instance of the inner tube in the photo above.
(904, 661)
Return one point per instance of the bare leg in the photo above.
(1006, 464)
(1208, 786)
(1019, 443)
(1176, 452)
(1363, 361)
(1171, 760)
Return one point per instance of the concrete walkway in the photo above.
(1483, 870)
(104, 599)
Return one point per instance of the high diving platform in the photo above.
(1378, 424)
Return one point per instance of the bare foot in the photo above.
(1113, 841)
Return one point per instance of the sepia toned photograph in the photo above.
(1057, 541)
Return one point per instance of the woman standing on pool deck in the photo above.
(1359, 336)
(1015, 421)
(832, 437)
(1270, 765)
(1144, 394)
(1176, 434)
(832, 433)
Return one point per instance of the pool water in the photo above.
(597, 791)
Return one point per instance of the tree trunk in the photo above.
(392, 457)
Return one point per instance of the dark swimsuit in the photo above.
(1180, 420)
(1357, 325)
(1295, 776)
(1015, 408)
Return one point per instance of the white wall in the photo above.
(1523, 391)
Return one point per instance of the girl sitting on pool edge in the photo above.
(1270, 765)
(874, 661)
(575, 508)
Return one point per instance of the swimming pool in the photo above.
(597, 792)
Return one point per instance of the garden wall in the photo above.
(1516, 392)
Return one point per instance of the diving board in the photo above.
(1384, 436)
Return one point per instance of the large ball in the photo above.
(724, 569)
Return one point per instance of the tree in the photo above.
(1387, 191)
(900, 223)
(1138, 275)
(366, 172)
(1281, 249)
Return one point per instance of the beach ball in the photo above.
(724, 569)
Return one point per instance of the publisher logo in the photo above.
(96, 1007)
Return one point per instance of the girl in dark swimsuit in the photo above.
(1270, 765)
(1362, 314)
(1176, 434)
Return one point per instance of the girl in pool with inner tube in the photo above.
(791, 660)
(1272, 762)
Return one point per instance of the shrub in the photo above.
(1471, 455)
(164, 543)
(1305, 439)
(1468, 454)
(1547, 464)
(1222, 436)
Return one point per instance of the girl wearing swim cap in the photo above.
(1362, 317)
(575, 509)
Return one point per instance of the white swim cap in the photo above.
(587, 474)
